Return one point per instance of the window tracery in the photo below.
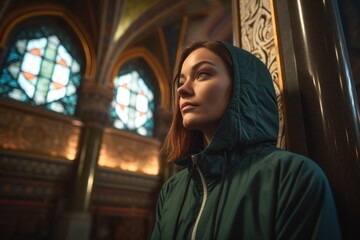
(42, 69)
(134, 102)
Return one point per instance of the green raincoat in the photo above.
(241, 186)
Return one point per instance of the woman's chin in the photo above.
(191, 125)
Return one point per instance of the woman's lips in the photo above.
(187, 106)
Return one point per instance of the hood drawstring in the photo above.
(183, 200)
(212, 229)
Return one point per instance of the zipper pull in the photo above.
(194, 161)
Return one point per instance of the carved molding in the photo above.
(94, 102)
(25, 189)
(33, 178)
(37, 134)
(257, 37)
(116, 197)
(119, 179)
(36, 168)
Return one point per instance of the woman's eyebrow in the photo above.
(197, 66)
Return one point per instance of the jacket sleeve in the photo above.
(305, 208)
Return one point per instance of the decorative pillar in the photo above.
(255, 33)
(315, 56)
(93, 110)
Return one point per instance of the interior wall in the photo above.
(39, 150)
(52, 171)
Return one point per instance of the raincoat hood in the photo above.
(251, 118)
(252, 115)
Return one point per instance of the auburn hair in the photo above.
(180, 141)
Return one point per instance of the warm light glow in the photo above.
(127, 157)
(152, 168)
(70, 155)
(129, 166)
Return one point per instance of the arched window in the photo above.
(134, 103)
(42, 68)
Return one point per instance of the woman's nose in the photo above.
(185, 89)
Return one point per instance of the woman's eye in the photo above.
(202, 75)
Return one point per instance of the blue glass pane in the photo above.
(21, 46)
(42, 68)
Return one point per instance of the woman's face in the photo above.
(204, 91)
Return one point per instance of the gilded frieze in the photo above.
(37, 134)
(129, 152)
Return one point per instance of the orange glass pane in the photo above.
(62, 62)
(29, 76)
(36, 51)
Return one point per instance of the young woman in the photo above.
(236, 184)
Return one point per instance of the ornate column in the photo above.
(315, 58)
(93, 110)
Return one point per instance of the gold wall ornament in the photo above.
(25, 129)
(129, 151)
(93, 104)
(258, 36)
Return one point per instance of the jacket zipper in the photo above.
(203, 183)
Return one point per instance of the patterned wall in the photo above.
(23, 130)
(35, 186)
(257, 37)
(32, 193)
(130, 152)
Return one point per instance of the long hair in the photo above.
(180, 141)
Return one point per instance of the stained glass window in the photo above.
(133, 105)
(41, 69)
